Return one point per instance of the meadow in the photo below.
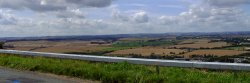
(121, 72)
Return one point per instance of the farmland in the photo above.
(201, 43)
(143, 43)
(161, 48)
(57, 46)
(121, 72)
(214, 52)
(147, 51)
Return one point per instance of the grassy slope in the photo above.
(121, 72)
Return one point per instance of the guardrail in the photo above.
(157, 62)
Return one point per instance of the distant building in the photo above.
(247, 48)
(238, 60)
(244, 43)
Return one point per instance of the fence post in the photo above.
(157, 68)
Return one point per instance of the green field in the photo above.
(241, 48)
(121, 72)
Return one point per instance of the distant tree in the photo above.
(1, 45)
(172, 53)
(152, 53)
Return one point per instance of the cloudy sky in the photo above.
(20, 18)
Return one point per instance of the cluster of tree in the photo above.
(155, 56)
(235, 41)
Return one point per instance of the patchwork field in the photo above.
(214, 52)
(147, 51)
(127, 47)
(200, 43)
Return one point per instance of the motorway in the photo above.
(15, 76)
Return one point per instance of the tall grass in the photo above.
(121, 72)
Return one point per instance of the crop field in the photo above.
(143, 43)
(199, 43)
(147, 51)
(136, 39)
(215, 52)
(121, 72)
(240, 48)
(65, 49)
(190, 41)
(57, 46)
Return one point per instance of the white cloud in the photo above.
(67, 18)
(226, 3)
(140, 17)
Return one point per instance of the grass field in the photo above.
(121, 72)
(240, 48)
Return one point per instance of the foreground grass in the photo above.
(121, 72)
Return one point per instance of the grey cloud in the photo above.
(168, 20)
(135, 17)
(73, 13)
(7, 19)
(91, 3)
(116, 14)
(51, 5)
(34, 5)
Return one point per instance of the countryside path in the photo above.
(15, 76)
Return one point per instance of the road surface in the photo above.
(14, 76)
